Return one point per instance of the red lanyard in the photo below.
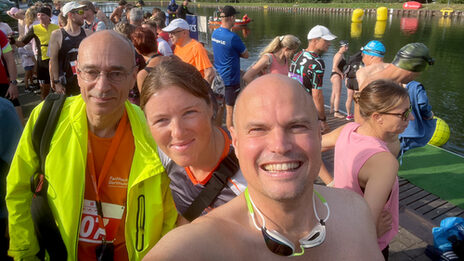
(110, 155)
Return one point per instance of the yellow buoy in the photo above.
(382, 14)
(357, 16)
(441, 134)
(379, 29)
(356, 30)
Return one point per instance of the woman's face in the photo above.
(394, 123)
(180, 124)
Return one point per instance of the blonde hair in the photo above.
(31, 15)
(290, 41)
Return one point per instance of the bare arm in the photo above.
(330, 139)
(318, 98)
(259, 66)
(54, 47)
(245, 54)
(140, 78)
(377, 176)
(209, 75)
(12, 91)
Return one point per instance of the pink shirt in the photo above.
(352, 150)
(277, 67)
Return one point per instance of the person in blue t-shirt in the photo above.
(227, 49)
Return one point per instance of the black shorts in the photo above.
(231, 94)
(352, 84)
(332, 74)
(3, 89)
(43, 73)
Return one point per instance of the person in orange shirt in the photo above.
(190, 50)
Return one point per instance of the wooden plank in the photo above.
(406, 187)
(430, 206)
(402, 182)
(410, 192)
(423, 201)
(454, 212)
(439, 210)
(408, 201)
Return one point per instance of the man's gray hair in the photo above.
(136, 15)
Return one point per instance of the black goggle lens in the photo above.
(277, 247)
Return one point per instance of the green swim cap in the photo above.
(413, 57)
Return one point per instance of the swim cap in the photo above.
(374, 48)
(413, 57)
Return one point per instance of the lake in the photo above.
(444, 37)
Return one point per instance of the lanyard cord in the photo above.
(110, 155)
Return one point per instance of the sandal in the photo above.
(337, 114)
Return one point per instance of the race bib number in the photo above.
(73, 67)
(90, 230)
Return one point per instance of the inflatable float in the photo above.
(412, 5)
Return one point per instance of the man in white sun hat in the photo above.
(308, 68)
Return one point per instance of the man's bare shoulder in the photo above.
(350, 226)
(206, 238)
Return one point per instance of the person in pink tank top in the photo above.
(363, 162)
(274, 57)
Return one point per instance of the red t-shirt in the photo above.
(6, 47)
(112, 193)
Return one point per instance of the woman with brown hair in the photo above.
(364, 154)
(179, 108)
(144, 41)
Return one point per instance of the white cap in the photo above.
(320, 31)
(68, 7)
(176, 23)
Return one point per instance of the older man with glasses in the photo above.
(189, 50)
(107, 187)
(282, 213)
(63, 49)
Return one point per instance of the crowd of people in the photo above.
(142, 164)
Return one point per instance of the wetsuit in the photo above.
(67, 56)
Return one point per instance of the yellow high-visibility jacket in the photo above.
(150, 210)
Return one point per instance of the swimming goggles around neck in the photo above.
(280, 245)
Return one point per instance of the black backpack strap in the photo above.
(45, 126)
(47, 232)
(228, 167)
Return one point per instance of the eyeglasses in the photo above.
(80, 11)
(280, 245)
(115, 76)
(175, 32)
(404, 116)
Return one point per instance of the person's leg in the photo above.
(44, 78)
(336, 90)
(333, 81)
(230, 97)
(349, 100)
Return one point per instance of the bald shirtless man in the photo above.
(277, 140)
(372, 58)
